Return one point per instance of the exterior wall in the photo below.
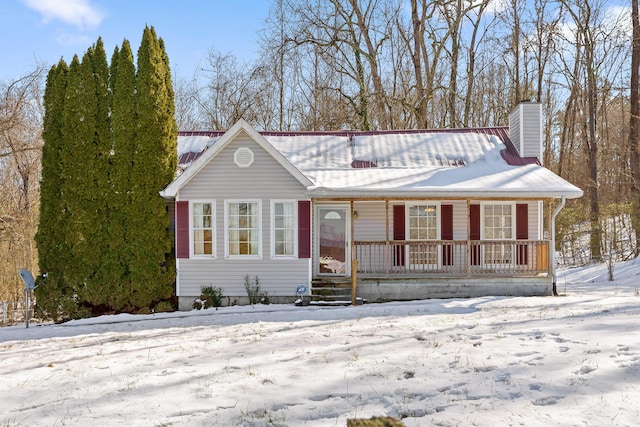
(405, 290)
(222, 180)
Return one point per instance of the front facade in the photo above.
(403, 215)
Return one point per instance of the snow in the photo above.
(535, 361)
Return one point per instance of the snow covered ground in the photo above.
(570, 360)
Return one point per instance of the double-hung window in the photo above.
(284, 228)
(243, 231)
(203, 228)
(423, 226)
(498, 224)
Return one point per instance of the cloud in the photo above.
(75, 12)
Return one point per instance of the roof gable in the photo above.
(220, 144)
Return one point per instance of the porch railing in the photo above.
(452, 257)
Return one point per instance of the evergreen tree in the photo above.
(97, 177)
(54, 298)
(110, 148)
(152, 270)
(121, 209)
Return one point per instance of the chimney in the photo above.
(525, 129)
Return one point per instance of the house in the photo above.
(401, 214)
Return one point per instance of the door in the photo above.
(333, 241)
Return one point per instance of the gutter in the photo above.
(552, 252)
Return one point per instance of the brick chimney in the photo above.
(525, 129)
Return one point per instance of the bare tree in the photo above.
(20, 149)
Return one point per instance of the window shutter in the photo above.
(522, 232)
(304, 229)
(182, 229)
(474, 232)
(398, 234)
(446, 233)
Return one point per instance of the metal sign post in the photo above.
(29, 284)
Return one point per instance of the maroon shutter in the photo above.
(474, 232)
(522, 232)
(304, 229)
(182, 229)
(398, 234)
(446, 233)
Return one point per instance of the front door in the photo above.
(333, 240)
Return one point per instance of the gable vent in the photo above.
(243, 157)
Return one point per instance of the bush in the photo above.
(210, 296)
(163, 307)
(253, 291)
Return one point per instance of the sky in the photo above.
(570, 360)
(46, 30)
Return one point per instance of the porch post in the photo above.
(387, 257)
(468, 237)
(354, 259)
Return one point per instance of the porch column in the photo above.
(468, 237)
(387, 255)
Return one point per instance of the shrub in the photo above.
(211, 296)
(256, 296)
(163, 307)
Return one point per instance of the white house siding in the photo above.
(222, 180)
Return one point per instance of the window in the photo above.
(423, 225)
(283, 228)
(203, 228)
(498, 224)
(242, 224)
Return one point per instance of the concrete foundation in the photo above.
(410, 289)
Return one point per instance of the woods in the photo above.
(322, 65)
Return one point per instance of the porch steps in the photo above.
(332, 292)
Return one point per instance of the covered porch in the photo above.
(427, 248)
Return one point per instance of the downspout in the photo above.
(552, 252)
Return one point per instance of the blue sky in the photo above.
(46, 30)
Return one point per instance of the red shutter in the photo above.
(446, 233)
(304, 229)
(522, 232)
(398, 234)
(474, 232)
(182, 229)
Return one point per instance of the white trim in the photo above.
(407, 232)
(272, 231)
(227, 202)
(512, 258)
(192, 239)
(495, 203)
(408, 206)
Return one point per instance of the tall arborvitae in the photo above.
(110, 148)
(53, 296)
(78, 131)
(121, 208)
(97, 186)
(154, 165)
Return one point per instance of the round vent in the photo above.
(243, 157)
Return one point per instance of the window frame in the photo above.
(193, 229)
(438, 219)
(507, 254)
(294, 210)
(227, 252)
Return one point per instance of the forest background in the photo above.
(390, 64)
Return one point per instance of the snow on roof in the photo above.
(454, 163)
